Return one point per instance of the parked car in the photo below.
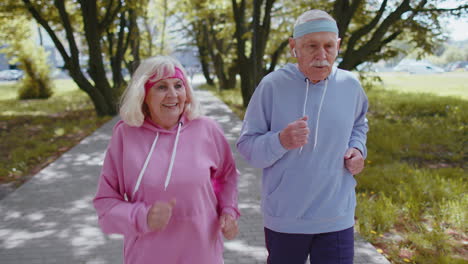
(11, 75)
(417, 67)
(457, 66)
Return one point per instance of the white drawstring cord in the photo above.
(169, 172)
(320, 110)
(174, 149)
(305, 105)
(145, 165)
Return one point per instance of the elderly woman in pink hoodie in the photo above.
(169, 181)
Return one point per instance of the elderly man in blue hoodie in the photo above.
(306, 127)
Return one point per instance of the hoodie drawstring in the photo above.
(305, 105)
(171, 164)
(319, 110)
(174, 149)
(306, 95)
(318, 116)
(137, 185)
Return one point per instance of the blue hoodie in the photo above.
(306, 191)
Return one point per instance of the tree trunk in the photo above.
(101, 93)
(163, 30)
(98, 100)
(232, 75)
(95, 63)
(206, 69)
(201, 39)
(251, 67)
(247, 83)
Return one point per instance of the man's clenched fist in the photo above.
(295, 135)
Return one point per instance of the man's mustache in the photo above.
(317, 63)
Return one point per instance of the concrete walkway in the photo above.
(50, 219)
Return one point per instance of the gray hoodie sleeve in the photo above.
(259, 145)
(359, 134)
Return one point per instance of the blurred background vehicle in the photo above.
(11, 75)
(417, 67)
(457, 66)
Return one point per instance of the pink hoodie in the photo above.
(203, 182)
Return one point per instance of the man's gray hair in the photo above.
(131, 106)
(313, 14)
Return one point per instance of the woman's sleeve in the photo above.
(115, 214)
(224, 176)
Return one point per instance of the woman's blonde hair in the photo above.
(156, 68)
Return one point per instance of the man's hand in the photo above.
(295, 134)
(354, 161)
(159, 215)
(228, 226)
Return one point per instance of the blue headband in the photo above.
(321, 25)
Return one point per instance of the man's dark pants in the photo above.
(326, 248)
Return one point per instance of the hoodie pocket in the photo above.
(287, 193)
(274, 183)
(318, 193)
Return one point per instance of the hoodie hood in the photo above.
(150, 125)
(177, 130)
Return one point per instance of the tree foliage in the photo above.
(208, 23)
(367, 29)
(91, 37)
(237, 37)
(16, 35)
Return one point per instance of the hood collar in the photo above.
(295, 69)
(149, 124)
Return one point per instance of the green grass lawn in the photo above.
(34, 133)
(413, 194)
(444, 84)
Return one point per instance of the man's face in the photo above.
(316, 52)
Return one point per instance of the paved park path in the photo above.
(50, 218)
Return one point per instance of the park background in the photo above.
(65, 63)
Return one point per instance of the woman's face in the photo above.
(166, 102)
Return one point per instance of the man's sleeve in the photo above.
(359, 134)
(257, 143)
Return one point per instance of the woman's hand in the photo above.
(228, 226)
(159, 215)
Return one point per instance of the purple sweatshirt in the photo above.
(203, 181)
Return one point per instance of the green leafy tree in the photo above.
(36, 83)
(92, 36)
(367, 28)
(209, 25)
(17, 37)
(252, 36)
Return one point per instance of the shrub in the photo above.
(36, 83)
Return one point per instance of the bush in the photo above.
(19, 46)
(36, 83)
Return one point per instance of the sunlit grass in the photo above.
(33, 133)
(415, 183)
(444, 84)
(413, 194)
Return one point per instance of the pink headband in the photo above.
(178, 74)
